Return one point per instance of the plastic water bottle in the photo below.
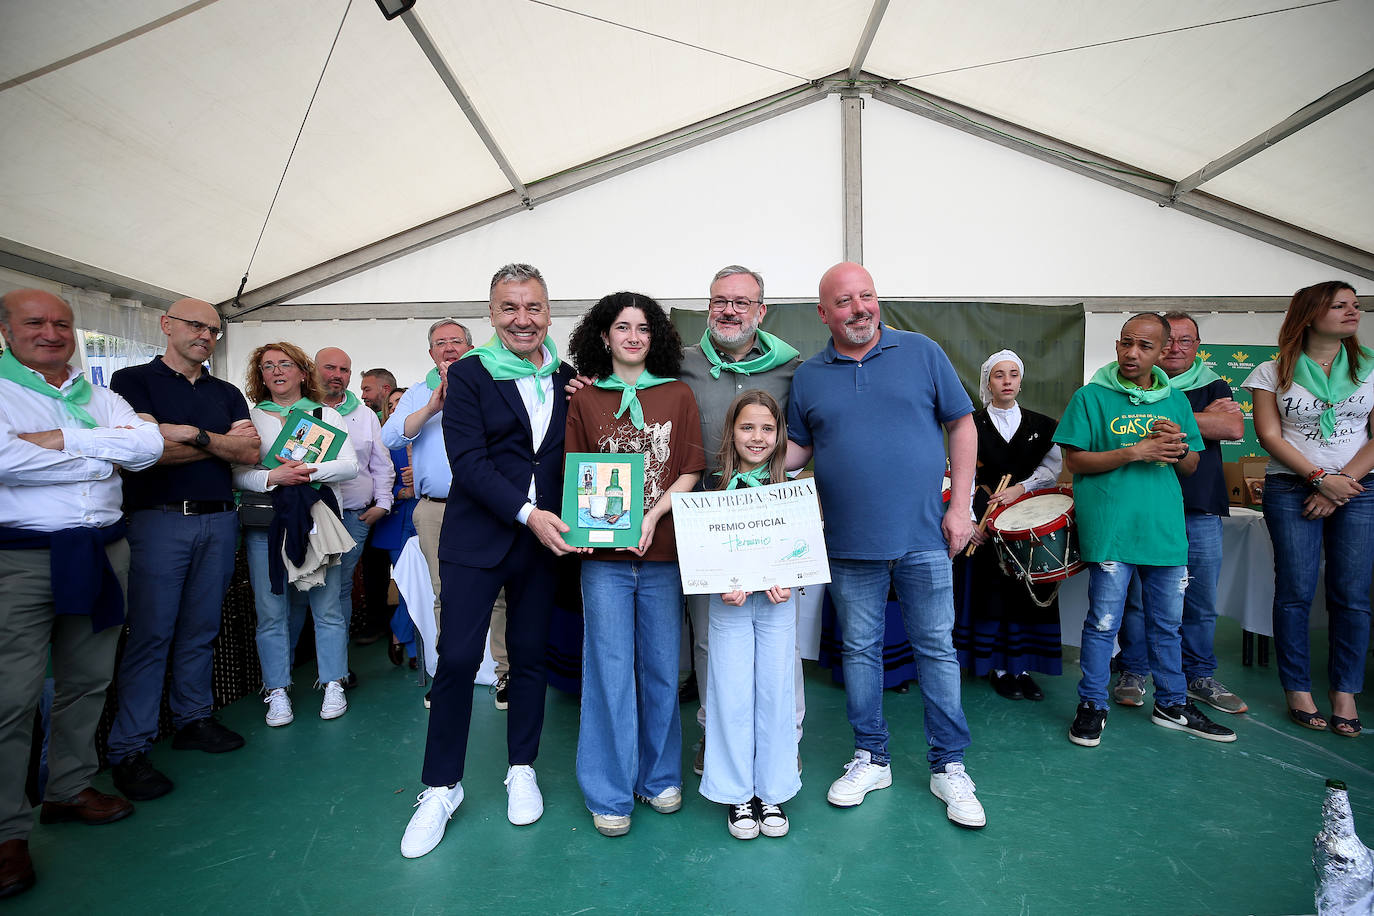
(1344, 866)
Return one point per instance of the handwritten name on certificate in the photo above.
(751, 538)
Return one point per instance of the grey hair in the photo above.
(518, 273)
(453, 321)
(735, 269)
(1177, 315)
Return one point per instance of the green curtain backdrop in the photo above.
(1049, 339)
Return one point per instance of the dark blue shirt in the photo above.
(1205, 489)
(166, 395)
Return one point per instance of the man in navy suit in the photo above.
(503, 423)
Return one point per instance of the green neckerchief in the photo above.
(1335, 388)
(1107, 377)
(629, 398)
(504, 365)
(350, 404)
(77, 393)
(272, 406)
(432, 379)
(1198, 375)
(755, 478)
(776, 352)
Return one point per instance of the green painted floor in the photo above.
(308, 818)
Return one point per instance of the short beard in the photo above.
(859, 338)
(747, 329)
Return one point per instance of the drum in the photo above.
(1035, 536)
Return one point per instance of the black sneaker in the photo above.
(1088, 722)
(742, 820)
(1188, 718)
(138, 780)
(502, 701)
(207, 735)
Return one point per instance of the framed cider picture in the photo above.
(603, 499)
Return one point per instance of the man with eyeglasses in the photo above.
(733, 356)
(1218, 417)
(64, 565)
(183, 531)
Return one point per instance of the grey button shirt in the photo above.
(714, 395)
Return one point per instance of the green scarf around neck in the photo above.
(755, 478)
(272, 406)
(1335, 388)
(1198, 375)
(77, 393)
(504, 365)
(1108, 377)
(776, 352)
(350, 403)
(629, 397)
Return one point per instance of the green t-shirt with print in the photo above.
(1133, 514)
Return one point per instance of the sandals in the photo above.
(1310, 719)
(1337, 722)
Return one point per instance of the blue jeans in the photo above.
(630, 739)
(924, 581)
(1199, 606)
(1347, 535)
(751, 729)
(357, 529)
(280, 618)
(1162, 588)
(179, 569)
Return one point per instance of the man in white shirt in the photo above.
(62, 443)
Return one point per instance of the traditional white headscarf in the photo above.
(1001, 356)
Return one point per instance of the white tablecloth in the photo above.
(411, 573)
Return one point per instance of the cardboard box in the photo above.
(1245, 481)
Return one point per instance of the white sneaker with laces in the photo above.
(861, 776)
(278, 707)
(524, 803)
(434, 807)
(665, 802)
(955, 789)
(335, 703)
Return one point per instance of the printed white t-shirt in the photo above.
(1300, 420)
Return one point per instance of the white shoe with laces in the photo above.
(335, 703)
(955, 789)
(861, 776)
(524, 803)
(278, 707)
(434, 807)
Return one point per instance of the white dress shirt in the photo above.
(376, 473)
(45, 489)
(541, 412)
(1007, 422)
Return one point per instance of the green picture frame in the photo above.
(307, 438)
(603, 498)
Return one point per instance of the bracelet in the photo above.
(1317, 474)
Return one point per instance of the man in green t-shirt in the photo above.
(1127, 435)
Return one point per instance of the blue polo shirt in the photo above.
(166, 395)
(877, 428)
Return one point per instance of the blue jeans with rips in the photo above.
(1199, 606)
(924, 582)
(1347, 538)
(1162, 589)
(630, 738)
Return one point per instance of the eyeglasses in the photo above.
(1184, 342)
(200, 326)
(739, 305)
(281, 365)
(449, 342)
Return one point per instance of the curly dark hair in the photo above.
(588, 351)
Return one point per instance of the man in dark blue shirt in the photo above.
(182, 534)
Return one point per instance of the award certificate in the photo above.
(751, 538)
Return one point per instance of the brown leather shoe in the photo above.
(90, 807)
(16, 868)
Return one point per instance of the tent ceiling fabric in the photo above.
(156, 159)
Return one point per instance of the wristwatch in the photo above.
(202, 439)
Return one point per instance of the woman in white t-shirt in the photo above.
(1312, 414)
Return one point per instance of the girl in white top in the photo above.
(1312, 414)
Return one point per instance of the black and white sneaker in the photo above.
(1088, 722)
(1188, 718)
(742, 820)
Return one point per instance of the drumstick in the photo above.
(983, 523)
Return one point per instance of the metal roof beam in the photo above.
(37, 263)
(875, 18)
(851, 127)
(1136, 180)
(1336, 98)
(554, 186)
(441, 67)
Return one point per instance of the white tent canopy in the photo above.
(144, 141)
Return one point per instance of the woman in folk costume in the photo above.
(1001, 633)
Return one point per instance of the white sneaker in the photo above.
(335, 703)
(665, 802)
(524, 804)
(611, 824)
(434, 807)
(861, 776)
(278, 707)
(955, 789)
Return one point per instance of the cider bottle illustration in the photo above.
(312, 451)
(615, 497)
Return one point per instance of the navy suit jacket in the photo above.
(488, 438)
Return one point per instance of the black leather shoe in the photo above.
(16, 868)
(206, 735)
(1006, 685)
(395, 653)
(351, 682)
(1029, 689)
(89, 807)
(137, 778)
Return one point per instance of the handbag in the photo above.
(255, 509)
